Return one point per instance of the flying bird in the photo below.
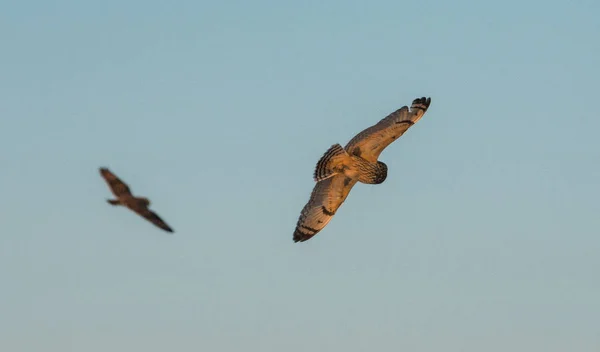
(125, 198)
(339, 168)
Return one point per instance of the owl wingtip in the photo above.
(422, 102)
(301, 237)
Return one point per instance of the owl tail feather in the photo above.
(330, 163)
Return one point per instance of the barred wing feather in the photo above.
(325, 199)
(369, 143)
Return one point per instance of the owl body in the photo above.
(125, 198)
(364, 171)
(339, 169)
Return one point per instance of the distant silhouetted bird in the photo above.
(340, 168)
(125, 198)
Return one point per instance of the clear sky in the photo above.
(484, 237)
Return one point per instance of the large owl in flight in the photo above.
(339, 168)
(125, 198)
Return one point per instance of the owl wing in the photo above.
(326, 198)
(151, 216)
(117, 187)
(369, 143)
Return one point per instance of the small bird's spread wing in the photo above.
(117, 187)
(369, 143)
(152, 217)
(326, 198)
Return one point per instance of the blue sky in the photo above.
(485, 235)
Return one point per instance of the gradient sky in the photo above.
(484, 237)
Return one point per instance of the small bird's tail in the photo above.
(113, 202)
(330, 163)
